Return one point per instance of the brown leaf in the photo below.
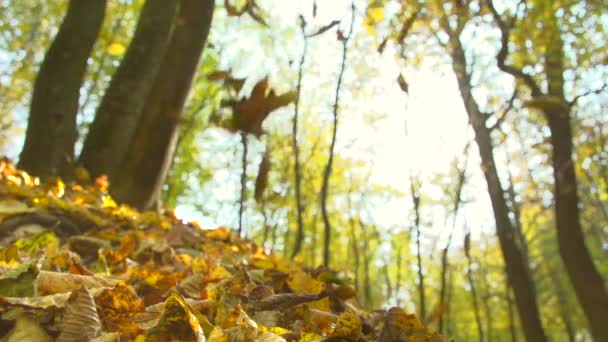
(249, 113)
(80, 321)
(285, 300)
(403, 84)
(55, 282)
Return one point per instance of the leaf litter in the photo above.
(76, 266)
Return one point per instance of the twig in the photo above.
(587, 93)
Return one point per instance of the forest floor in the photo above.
(76, 266)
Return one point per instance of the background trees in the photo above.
(417, 74)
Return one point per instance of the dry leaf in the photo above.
(80, 321)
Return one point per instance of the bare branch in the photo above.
(501, 57)
(587, 93)
(508, 108)
(323, 29)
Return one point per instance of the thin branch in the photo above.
(501, 57)
(321, 30)
(509, 107)
(587, 93)
(328, 166)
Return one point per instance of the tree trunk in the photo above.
(330, 159)
(243, 197)
(296, 149)
(353, 241)
(120, 109)
(474, 297)
(446, 250)
(421, 296)
(584, 276)
(146, 165)
(51, 133)
(515, 263)
(511, 313)
(367, 283)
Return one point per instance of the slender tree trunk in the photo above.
(313, 239)
(146, 164)
(473, 287)
(485, 300)
(121, 108)
(444, 253)
(354, 242)
(448, 304)
(243, 196)
(562, 299)
(367, 283)
(511, 313)
(421, 290)
(516, 267)
(398, 262)
(296, 148)
(330, 160)
(387, 282)
(51, 132)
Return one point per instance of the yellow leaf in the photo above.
(348, 325)
(116, 49)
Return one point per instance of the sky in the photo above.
(419, 133)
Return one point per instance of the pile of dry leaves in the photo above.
(75, 266)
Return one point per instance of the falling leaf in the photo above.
(403, 84)
(250, 112)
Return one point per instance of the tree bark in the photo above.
(121, 107)
(515, 263)
(51, 133)
(146, 165)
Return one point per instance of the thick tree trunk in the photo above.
(515, 263)
(51, 132)
(120, 109)
(146, 164)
